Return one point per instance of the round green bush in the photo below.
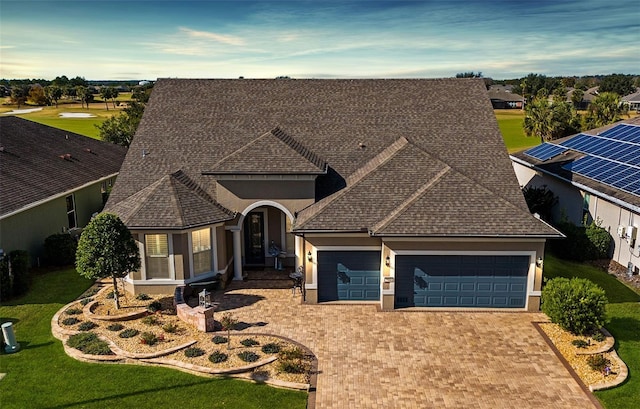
(87, 326)
(291, 366)
(217, 357)
(193, 352)
(598, 362)
(271, 348)
(248, 356)
(249, 342)
(155, 306)
(70, 321)
(73, 311)
(86, 300)
(218, 339)
(129, 333)
(148, 338)
(150, 320)
(598, 336)
(580, 343)
(576, 305)
(142, 297)
(170, 328)
(115, 327)
(60, 249)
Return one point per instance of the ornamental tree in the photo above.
(107, 249)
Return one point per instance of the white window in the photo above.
(201, 249)
(71, 212)
(157, 255)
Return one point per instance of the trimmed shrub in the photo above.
(129, 333)
(598, 336)
(599, 238)
(70, 321)
(20, 270)
(87, 326)
(91, 292)
(291, 353)
(598, 362)
(155, 306)
(291, 366)
(148, 338)
(576, 305)
(86, 301)
(89, 343)
(150, 320)
(73, 311)
(582, 243)
(248, 356)
(170, 328)
(115, 327)
(249, 342)
(271, 348)
(60, 249)
(540, 200)
(580, 343)
(218, 339)
(142, 297)
(217, 357)
(193, 352)
(6, 288)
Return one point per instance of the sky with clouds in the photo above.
(140, 39)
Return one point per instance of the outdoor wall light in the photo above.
(539, 262)
(309, 256)
(387, 261)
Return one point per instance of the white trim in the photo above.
(214, 248)
(143, 258)
(155, 281)
(348, 248)
(530, 274)
(465, 239)
(172, 265)
(192, 273)
(311, 286)
(56, 196)
(283, 232)
(262, 203)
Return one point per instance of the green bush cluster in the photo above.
(70, 321)
(580, 343)
(271, 348)
(73, 311)
(87, 326)
(598, 336)
(60, 249)
(16, 283)
(115, 327)
(86, 300)
(193, 352)
(155, 306)
(291, 360)
(598, 362)
(143, 297)
(248, 356)
(217, 357)
(249, 342)
(148, 338)
(170, 328)
(577, 305)
(129, 333)
(218, 339)
(150, 320)
(89, 343)
(582, 243)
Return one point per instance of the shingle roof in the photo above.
(554, 166)
(381, 140)
(38, 162)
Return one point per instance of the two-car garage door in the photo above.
(461, 281)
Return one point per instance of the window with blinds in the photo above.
(157, 255)
(201, 249)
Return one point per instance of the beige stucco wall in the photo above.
(238, 195)
(221, 247)
(181, 259)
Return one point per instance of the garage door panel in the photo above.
(348, 275)
(468, 281)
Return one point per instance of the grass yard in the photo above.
(41, 375)
(624, 315)
(510, 123)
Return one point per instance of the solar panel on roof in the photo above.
(545, 151)
(615, 174)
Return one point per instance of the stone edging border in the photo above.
(155, 358)
(622, 375)
(610, 342)
(121, 317)
(586, 389)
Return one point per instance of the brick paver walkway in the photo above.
(372, 359)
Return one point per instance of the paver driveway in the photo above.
(372, 359)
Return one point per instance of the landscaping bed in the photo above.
(138, 331)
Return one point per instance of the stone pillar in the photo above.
(237, 255)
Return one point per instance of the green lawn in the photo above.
(510, 123)
(83, 126)
(41, 375)
(624, 314)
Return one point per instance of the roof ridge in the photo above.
(172, 182)
(296, 145)
(415, 196)
(353, 179)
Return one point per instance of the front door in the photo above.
(254, 238)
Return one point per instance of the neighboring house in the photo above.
(596, 176)
(632, 101)
(587, 97)
(374, 188)
(51, 181)
(502, 99)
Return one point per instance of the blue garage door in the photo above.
(461, 281)
(348, 275)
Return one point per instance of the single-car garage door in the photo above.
(348, 275)
(461, 281)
